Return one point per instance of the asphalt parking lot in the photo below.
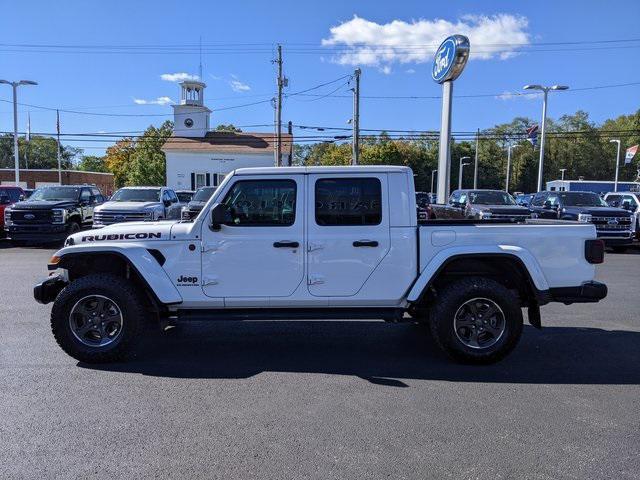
(323, 399)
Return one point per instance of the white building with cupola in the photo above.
(196, 156)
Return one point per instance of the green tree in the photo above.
(147, 165)
(117, 160)
(92, 163)
(227, 128)
(39, 152)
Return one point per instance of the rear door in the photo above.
(348, 231)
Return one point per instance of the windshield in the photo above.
(184, 197)
(136, 195)
(203, 194)
(582, 199)
(55, 193)
(491, 198)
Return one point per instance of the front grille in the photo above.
(109, 217)
(30, 216)
(617, 223)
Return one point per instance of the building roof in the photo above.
(228, 142)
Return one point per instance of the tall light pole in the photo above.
(545, 91)
(460, 172)
(16, 156)
(433, 172)
(615, 184)
(509, 148)
(562, 170)
(355, 142)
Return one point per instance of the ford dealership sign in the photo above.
(450, 58)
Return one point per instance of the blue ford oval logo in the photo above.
(613, 221)
(450, 58)
(29, 216)
(119, 218)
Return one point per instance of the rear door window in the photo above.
(348, 201)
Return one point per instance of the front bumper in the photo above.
(588, 292)
(47, 290)
(48, 232)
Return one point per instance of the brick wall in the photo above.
(104, 181)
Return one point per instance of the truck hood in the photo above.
(126, 232)
(128, 206)
(43, 204)
(598, 211)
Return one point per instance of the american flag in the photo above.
(532, 134)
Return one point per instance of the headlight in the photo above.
(149, 215)
(7, 217)
(59, 215)
(484, 214)
(584, 217)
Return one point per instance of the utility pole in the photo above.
(16, 155)
(475, 164)
(433, 172)
(356, 119)
(59, 148)
(27, 141)
(615, 184)
(462, 165)
(280, 82)
(290, 132)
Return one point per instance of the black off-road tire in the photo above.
(73, 227)
(128, 299)
(457, 293)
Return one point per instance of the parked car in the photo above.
(8, 196)
(185, 196)
(199, 200)
(136, 204)
(52, 213)
(524, 199)
(614, 225)
(313, 243)
(629, 201)
(484, 204)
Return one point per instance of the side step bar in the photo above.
(336, 313)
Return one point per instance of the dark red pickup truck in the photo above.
(8, 196)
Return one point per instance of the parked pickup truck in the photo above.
(130, 204)
(481, 204)
(318, 243)
(8, 196)
(614, 225)
(197, 203)
(52, 213)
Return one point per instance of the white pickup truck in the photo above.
(318, 243)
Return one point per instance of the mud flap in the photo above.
(533, 312)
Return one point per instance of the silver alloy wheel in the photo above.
(96, 320)
(479, 323)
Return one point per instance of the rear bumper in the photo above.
(47, 290)
(589, 292)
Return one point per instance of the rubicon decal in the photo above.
(121, 236)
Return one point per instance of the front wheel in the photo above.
(476, 320)
(97, 318)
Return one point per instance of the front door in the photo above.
(348, 231)
(259, 251)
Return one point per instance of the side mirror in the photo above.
(21, 197)
(218, 216)
(547, 205)
(166, 203)
(626, 205)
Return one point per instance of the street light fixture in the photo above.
(545, 91)
(509, 148)
(460, 171)
(15, 86)
(615, 184)
(562, 170)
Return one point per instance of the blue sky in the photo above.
(238, 74)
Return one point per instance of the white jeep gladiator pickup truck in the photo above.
(318, 243)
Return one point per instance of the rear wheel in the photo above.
(476, 320)
(98, 318)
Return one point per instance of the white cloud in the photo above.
(517, 95)
(363, 42)
(157, 101)
(215, 77)
(178, 77)
(410, 71)
(238, 86)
